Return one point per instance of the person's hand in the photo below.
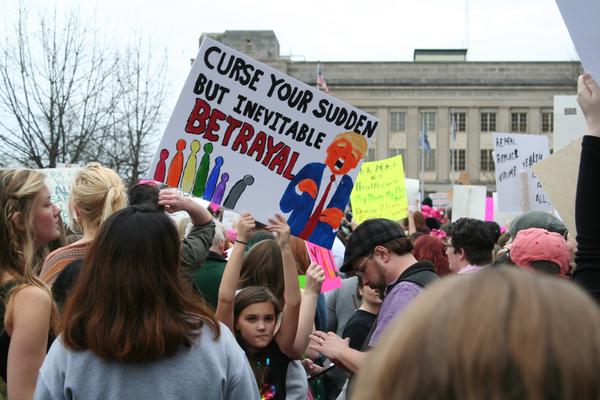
(245, 227)
(308, 186)
(332, 216)
(173, 200)
(310, 367)
(588, 97)
(279, 225)
(315, 275)
(329, 344)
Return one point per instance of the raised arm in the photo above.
(315, 275)
(231, 274)
(289, 320)
(174, 201)
(587, 212)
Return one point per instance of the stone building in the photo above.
(438, 86)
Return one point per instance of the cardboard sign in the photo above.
(468, 201)
(558, 174)
(59, 181)
(379, 191)
(518, 188)
(324, 257)
(581, 18)
(247, 137)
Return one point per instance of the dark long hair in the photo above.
(130, 303)
(263, 266)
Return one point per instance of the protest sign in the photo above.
(324, 257)
(489, 208)
(379, 191)
(581, 19)
(558, 175)
(468, 201)
(514, 156)
(59, 181)
(413, 194)
(569, 122)
(439, 200)
(250, 138)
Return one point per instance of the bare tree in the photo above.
(70, 98)
(142, 84)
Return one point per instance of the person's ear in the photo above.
(461, 253)
(17, 220)
(383, 253)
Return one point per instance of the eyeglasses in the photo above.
(363, 265)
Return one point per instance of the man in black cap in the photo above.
(379, 252)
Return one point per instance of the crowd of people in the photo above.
(125, 302)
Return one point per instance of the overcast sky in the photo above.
(333, 30)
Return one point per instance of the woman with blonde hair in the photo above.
(499, 334)
(28, 221)
(96, 194)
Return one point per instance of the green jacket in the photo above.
(208, 278)
(195, 248)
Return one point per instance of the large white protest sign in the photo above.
(468, 201)
(518, 188)
(247, 137)
(59, 181)
(581, 19)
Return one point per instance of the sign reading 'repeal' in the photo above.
(250, 138)
(518, 188)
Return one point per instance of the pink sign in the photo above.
(489, 208)
(324, 257)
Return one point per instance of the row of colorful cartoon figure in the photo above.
(197, 180)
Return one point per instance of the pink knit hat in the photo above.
(536, 244)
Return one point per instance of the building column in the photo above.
(534, 120)
(383, 134)
(411, 168)
(473, 146)
(503, 120)
(443, 145)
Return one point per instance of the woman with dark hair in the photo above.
(432, 249)
(133, 328)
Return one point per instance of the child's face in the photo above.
(256, 325)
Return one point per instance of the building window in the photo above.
(429, 160)
(488, 122)
(398, 121)
(428, 120)
(460, 119)
(487, 161)
(547, 122)
(371, 155)
(570, 111)
(457, 159)
(518, 122)
(398, 152)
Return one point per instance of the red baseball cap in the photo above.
(536, 244)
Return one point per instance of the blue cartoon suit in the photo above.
(301, 204)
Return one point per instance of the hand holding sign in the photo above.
(315, 276)
(588, 97)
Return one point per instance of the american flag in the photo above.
(321, 84)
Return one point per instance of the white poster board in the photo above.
(581, 19)
(502, 218)
(250, 138)
(413, 193)
(518, 188)
(59, 181)
(468, 201)
(439, 199)
(569, 122)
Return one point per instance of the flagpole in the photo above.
(452, 140)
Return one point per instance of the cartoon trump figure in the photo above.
(318, 224)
